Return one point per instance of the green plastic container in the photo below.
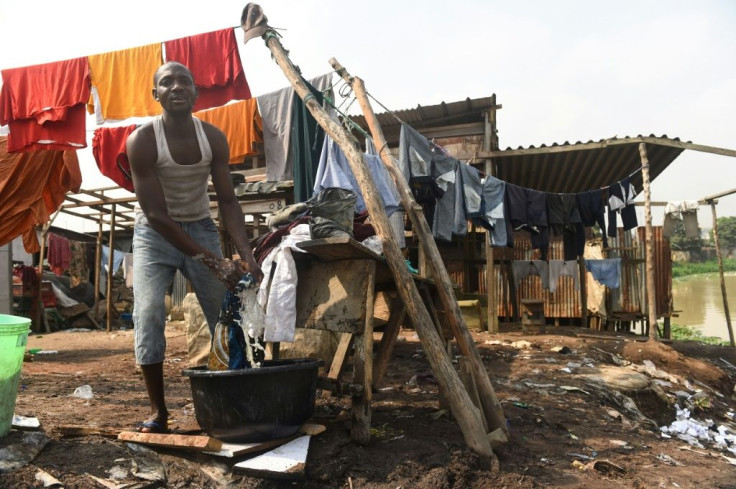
(13, 338)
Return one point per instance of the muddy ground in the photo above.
(559, 437)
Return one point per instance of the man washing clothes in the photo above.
(171, 159)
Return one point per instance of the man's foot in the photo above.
(153, 426)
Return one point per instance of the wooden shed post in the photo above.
(98, 255)
(649, 240)
(720, 272)
(108, 293)
(490, 144)
(467, 415)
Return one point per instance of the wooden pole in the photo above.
(111, 255)
(492, 307)
(98, 255)
(467, 415)
(492, 409)
(40, 316)
(720, 272)
(648, 245)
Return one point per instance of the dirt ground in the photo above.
(559, 437)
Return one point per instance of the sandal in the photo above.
(151, 427)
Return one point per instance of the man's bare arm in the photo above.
(230, 211)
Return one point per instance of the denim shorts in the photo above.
(155, 261)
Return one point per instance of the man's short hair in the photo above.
(156, 75)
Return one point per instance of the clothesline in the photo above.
(354, 124)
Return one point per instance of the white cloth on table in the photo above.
(277, 294)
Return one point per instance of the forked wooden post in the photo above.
(491, 407)
(467, 415)
(720, 272)
(649, 245)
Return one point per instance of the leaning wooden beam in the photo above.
(711, 198)
(649, 240)
(111, 255)
(491, 406)
(467, 415)
(720, 273)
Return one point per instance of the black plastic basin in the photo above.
(255, 404)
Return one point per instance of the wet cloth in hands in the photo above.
(235, 344)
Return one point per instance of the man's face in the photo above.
(175, 89)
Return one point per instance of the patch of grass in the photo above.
(684, 268)
(686, 333)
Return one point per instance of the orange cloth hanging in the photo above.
(241, 123)
(214, 61)
(123, 81)
(32, 186)
(43, 105)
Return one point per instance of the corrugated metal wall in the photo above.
(566, 301)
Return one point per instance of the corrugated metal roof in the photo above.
(584, 166)
(560, 167)
(442, 114)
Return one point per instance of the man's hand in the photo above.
(228, 271)
(252, 266)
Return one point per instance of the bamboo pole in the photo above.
(648, 245)
(720, 273)
(467, 415)
(492, 409)
(98, 255)
(111, 255)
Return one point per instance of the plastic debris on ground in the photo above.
(695, 432)
(83, 392)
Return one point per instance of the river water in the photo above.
(700, 302)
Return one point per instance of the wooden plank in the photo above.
(338, 248)
(172, 440)
(332, 295)
(360, 430)
(232, 450)
(388, 341)
(285, 462)
(338, 360)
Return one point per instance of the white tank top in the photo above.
(184, 186)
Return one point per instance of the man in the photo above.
(171, 159)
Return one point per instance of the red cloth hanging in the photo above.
(214, 60)
(44, 105)
(108, 149)
(59, 253)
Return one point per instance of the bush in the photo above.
(686, 333)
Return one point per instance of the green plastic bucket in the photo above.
(13, 339)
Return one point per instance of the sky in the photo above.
(563, 71)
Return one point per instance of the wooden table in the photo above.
(337, 285)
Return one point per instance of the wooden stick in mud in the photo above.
(648, 245)
(108, 292)
(467, 415)
(720, 273)
(491, 407)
